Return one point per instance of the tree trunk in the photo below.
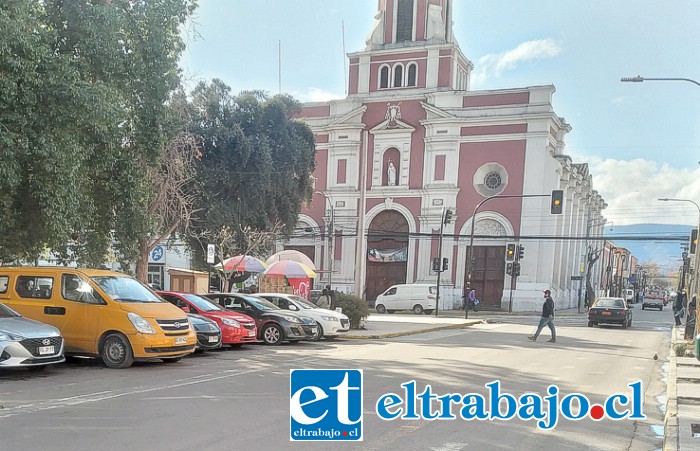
(142, 263)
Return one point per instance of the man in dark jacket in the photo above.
(547, 318)
(678, 305)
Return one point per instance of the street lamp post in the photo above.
(639, 79)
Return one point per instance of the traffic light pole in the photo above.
(439, 272)
(470, 251)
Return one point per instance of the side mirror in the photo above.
(185, 309)
(292, 307)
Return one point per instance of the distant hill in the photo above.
(667, 254)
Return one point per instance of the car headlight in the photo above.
(231, 322)
(293, 319)
(142, 325)
(6, 336)
(329, 318)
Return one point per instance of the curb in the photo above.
(411, 332)
(670, 442)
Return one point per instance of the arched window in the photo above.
(398, 76)
(384, 77)
(412, 71)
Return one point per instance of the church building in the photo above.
(412, 141)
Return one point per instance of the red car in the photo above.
(236, 328)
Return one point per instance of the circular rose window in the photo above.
(493, 180)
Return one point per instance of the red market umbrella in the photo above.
(241, 263)
(289, 269)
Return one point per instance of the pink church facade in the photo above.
(411, 140)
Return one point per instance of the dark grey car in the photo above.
(25, 342)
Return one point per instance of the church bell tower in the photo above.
(410, 46)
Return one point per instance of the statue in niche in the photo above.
(436, 25)
(376, 36)
(391, 174)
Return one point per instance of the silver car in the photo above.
(25, 342)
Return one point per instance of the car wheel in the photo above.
(661, 309)
(418, 309)
(380, 309)
(116, 351)
(319, 333)
(429, 312)
(172, 360)
(590, 323)
(272, 334)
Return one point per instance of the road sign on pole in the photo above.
(211, 251)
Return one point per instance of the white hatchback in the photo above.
(331, 324)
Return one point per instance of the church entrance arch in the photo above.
(387, 252)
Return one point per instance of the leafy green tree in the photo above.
(86, 121)
(256, 163)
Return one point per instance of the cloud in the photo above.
(317, 95)
(495, 64)
(631, 188)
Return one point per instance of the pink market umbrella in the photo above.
(243, 263)
(291, 254)
(289, 269)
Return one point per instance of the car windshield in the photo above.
(433, 290)
(126, 289)
(201, 303)
(7, 312)
(610, 303)
(260, 303)
(303, 303)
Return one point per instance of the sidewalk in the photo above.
(380, 326)
(682, 424)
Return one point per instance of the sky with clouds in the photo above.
(641, 140)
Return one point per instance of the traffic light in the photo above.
(693, 240)
(510, 252)
(509, 269)
(436, 264)
(557, 206)
(444, 263)
(521, 251)
(516, 269)
(448, 216)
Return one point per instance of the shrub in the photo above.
(680, 349)
(355, 308)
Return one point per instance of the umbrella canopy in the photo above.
(241, 263)
(290, 269)
(290, 254)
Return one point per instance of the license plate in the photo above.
(213, 339)
(180, 340)
(606, 313)
(43, 350)
(251, 333)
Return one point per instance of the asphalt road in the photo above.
(239, 399)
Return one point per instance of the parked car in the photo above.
(610, 311)
(236, 328)
(208, 332)
(274, 324)
(25, 342)
(330, 323)
(100, 313)
(417, 297)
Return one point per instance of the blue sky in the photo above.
(642, 140)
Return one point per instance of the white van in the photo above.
(417, 297)
(628, 295)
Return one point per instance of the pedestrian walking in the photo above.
(691, 318)
(547, 318)
(473, 301)
(333, 296)
(678, 307)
